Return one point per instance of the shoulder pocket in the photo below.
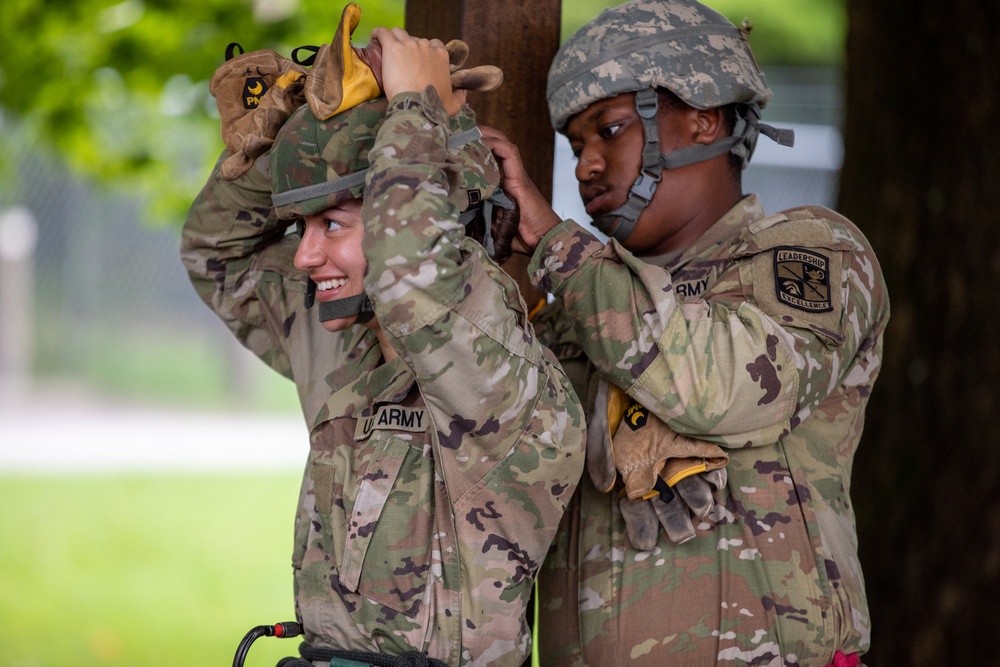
(798, 275)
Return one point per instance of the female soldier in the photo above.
(445, 441)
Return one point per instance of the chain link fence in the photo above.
(110, 306)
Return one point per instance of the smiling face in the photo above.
(607, 139)
(330, 253)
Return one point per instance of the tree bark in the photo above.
(921, 167)
(521, 38)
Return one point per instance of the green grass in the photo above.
(144, 570)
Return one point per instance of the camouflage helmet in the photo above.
(316, 164)
(681, 45)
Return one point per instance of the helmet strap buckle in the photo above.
(645, 186)
(646, 103)
(620, 222)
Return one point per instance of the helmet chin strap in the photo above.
(477, 219)
(359, 305)
(620, 222)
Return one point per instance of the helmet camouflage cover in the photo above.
(316, 164)
(681, 45)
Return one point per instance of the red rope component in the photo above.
(841, 660)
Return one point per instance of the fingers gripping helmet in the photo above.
(317, 164)
(681, 45)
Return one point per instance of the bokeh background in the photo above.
(149, 466)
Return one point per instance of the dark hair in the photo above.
(503, 228)
(504, 225)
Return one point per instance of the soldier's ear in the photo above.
(708, 125)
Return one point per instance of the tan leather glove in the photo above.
(665, 478)
(341, 76)
(480, 78)
(672, 510)
(255, 92)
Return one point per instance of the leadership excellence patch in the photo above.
(802, 279)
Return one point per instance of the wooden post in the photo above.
(521, 37)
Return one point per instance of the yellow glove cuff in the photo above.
(359, 83)
(288, 78)
(618, 400)
(687, 471)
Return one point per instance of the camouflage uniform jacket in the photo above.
(435, 482)
(765, 336)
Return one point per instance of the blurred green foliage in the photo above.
(120, 89)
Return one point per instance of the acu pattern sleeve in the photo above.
(509, 441)
(436, 292)
(230, 224)
(239, 261)
(698, 363)
(814, 273)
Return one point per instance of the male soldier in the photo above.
(704, 317)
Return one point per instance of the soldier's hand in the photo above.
(410, 64)
(536, 215)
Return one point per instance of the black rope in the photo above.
(312, 654)
(287, 629)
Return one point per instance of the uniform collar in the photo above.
(391, 382)
(364, 381)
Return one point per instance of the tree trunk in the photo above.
(521, 38)
(922, 163)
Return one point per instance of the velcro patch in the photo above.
(636, 415)
(392, 418)
(253, 90)
(802, 279)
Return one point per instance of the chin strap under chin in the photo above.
(620, 222)
(359, 305)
